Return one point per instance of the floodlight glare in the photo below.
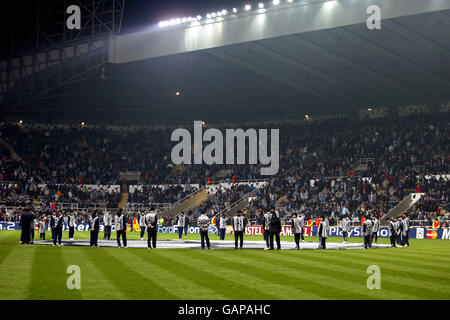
(235, 10)
(183, 20)
(199, 17)
(247, 7)
(189, 19)
(261, 5)
(224, 12)
(208, 16)
(219, 14)
(276, 2)
(213, 14)
(290, 1)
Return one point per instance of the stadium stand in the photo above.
(326, 167)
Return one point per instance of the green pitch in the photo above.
(39, 272)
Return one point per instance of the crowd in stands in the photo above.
(157, 194)
(317, 166)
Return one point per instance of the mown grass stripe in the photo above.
(236, 285)
(405, 265)
(349, 272)
(168, 275)
(16, 281)
(94, 284)
(346, 257)
(49, 280)
(418, 286)
(428, 251)
(414, 252)
(421, 266)
(6, 246)
(282, 283)
(344, 282)
(123, 277)
(402, 261)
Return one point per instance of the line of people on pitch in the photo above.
(298, 227)
(148, 222)
(239, 223)
(399, 231)
(56, 223)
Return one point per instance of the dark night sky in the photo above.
(138, 14)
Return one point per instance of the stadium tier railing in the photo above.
(142, 206)
(192, 194)
(234, 205)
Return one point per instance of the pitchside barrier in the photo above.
(383, 232)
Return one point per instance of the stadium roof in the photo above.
(324, 70)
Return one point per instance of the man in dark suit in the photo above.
(186, 225)
(71, 224)
(151, 220)
(275, 228)
(296, 230)
(392, 231)
(121, 228)
(266, 228)
(94, 224)
(56, 224)
(26, 222)
(400, 231)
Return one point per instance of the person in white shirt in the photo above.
(367, 228)
(323, 232)
(301, 217)
(181, 224)
(42, 228)
(346, 223)
(239, 223)
(107, 222)
(203, 223)
(222, 226)
(142, 224)
(296, 230)
(121, 228)
(266, 228)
